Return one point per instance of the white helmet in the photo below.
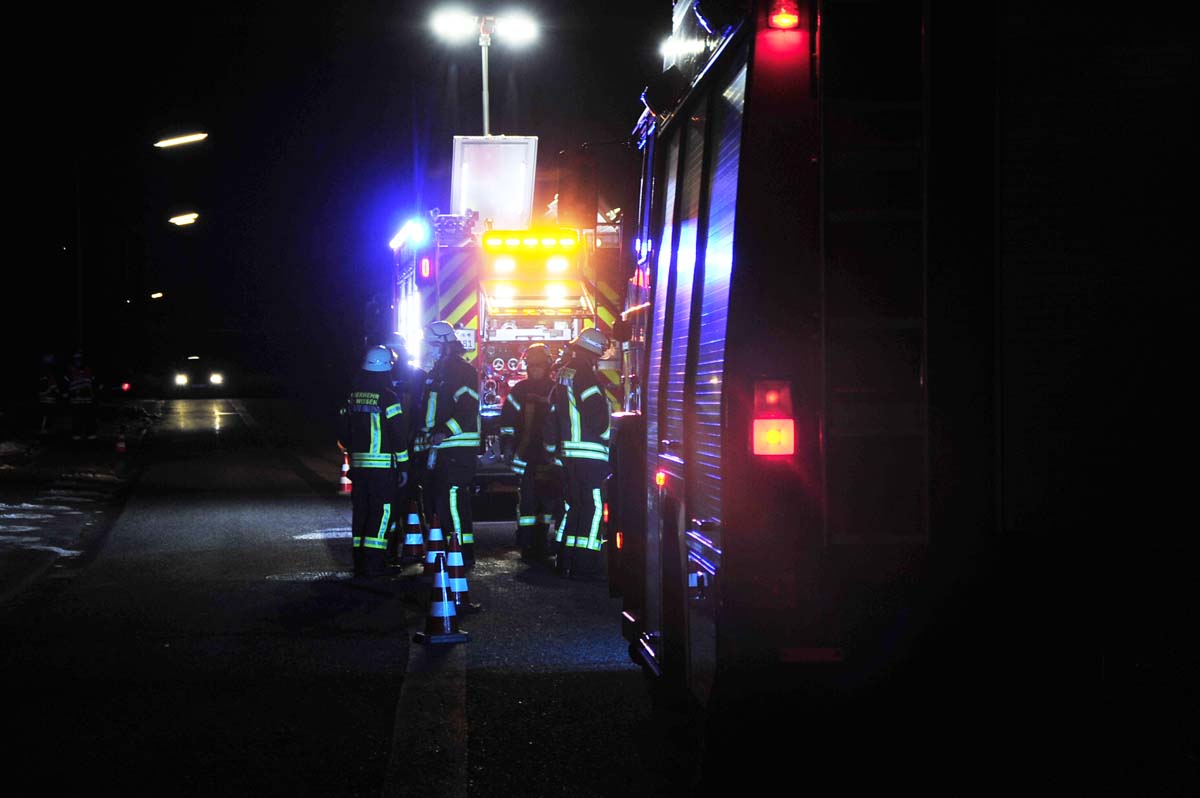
(591, 340)
(378, 358)
(441, 332)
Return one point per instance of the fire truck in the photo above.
(805, 473)
(501, 278)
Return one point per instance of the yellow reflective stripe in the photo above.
(375, 437)
(363, 460)
(465, 439)
(463, 390)
(454, 511)
(431, 410)
(573, 412)
(394, 410)
(590, 392)
(454, 427)
(508, 430)
(586, 456)
(594, 534)
(584, 445)
(513, 401)
(402, 457)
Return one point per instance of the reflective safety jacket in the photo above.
(452, 404)
(373, 424)
(81, 385)
(523, 418)
(578, 423)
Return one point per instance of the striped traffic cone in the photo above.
(345, 486)
(458, 575)
(414, 542)
(441, 622)
(435, 546)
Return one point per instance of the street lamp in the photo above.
(455, 25)
(190, 138)
(184, 219)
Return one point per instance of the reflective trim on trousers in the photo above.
(527, 520)
(587, 456)
(364, 460)
(562, 525)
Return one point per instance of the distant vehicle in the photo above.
(198, 374)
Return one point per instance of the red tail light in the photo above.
(774, 430)
(660, 478)
(605, 515)
(125, 387)
(620, 540)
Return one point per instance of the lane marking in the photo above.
(56, 550)
(19, 539)
(26, 516)
(325, 534)
(28, 506)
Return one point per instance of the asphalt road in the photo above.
(207, 638)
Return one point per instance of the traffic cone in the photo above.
(441, 622)
(121, 441)
(345, 485)
(414, 542)
(436, 546)
(458, 575)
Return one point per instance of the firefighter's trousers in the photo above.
(371, 502)
(453, 473)
(581, 536)
(538, 504)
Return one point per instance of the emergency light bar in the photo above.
(510, 240)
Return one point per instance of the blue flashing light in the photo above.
(414, 232)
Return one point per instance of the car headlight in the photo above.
(181, 379)
(216, 378)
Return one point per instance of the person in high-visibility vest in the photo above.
(81, 394)
(452, 424)
(521, 421)
(577, 430)
(374, 433)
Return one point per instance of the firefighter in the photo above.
(49, 393)
(408, 383)
(81, 395)
(374, 432)
(521, 421)
(452, 424)
(577, 429)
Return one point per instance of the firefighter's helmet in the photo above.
(538, 355)
(378, 358)
(591, 340)
(441, 332)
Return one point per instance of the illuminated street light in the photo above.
(455, 25)
(157, 295)
(187, 218)
(190, 138)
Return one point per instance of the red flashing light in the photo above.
(125, 387)
(620, 540)
(774, 430)
(605, 515)
(784, 15)
(660, 478)
(426, 268)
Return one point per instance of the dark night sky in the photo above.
(329, 126)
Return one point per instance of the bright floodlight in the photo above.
(190, 138)
(187, 218)
(454, 24)
(157, 295)
(516, 29)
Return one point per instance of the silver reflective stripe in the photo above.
(586, 456)
(513, 401)
(413, 539)
(412, 519)
(431, 411)
(454, 558)
(442, 609)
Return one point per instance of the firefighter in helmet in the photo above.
(577, 429)
(521, 421)
(374, 433)
(452, 425)
(81, 394)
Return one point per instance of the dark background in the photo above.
(329, 126)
